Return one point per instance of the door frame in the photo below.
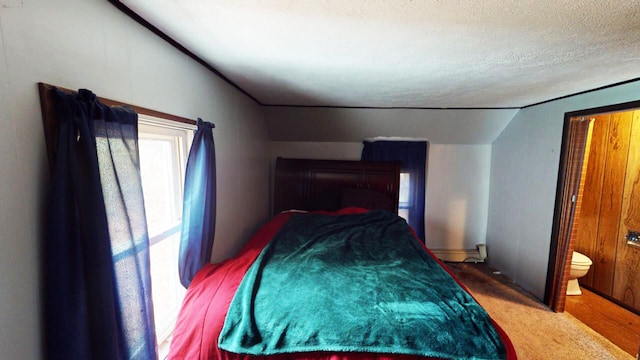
(563, 216)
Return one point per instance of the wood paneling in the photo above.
(585, 242)
(611, 202)
(610, 208)
(627, 270)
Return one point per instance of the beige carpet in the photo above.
(536, 332)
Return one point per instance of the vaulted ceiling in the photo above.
(413, 54)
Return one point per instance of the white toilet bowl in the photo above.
(580, 265)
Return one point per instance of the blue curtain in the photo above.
(412, 156)
(96, 253)
(199, 208)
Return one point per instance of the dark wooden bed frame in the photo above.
(304, 184)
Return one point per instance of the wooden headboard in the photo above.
(304, 184)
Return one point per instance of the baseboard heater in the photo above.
(479, 254)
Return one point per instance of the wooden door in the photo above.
(626, 285)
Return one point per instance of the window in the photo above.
(163, 155)
(404, 201)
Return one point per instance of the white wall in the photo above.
(457, 191)
(524, 172)
(457, 196)
(91, 44)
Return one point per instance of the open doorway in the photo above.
(598, 206)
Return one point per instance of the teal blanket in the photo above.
(354, 283)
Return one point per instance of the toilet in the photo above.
(580, 265)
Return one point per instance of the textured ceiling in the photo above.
(417, 54)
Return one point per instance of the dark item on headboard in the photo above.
(304, 184)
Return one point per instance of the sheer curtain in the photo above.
(96, 253)
(412, 156)
(199, 207)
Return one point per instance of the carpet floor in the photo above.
(537, 332)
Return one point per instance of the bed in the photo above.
(329, 278)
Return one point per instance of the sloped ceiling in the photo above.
(414, 54)
(439, 126)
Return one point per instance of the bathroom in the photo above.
(608, 216)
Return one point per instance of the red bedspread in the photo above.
(208, 298)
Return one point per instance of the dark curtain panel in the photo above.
(412, 156)
(199, 208)
(96, 254)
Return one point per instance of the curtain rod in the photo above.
(138, 109)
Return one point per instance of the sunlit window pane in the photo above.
(404, 196)
(404, 213)
(167, 291)
(405, 188)
(162, 161)
(159, 183)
